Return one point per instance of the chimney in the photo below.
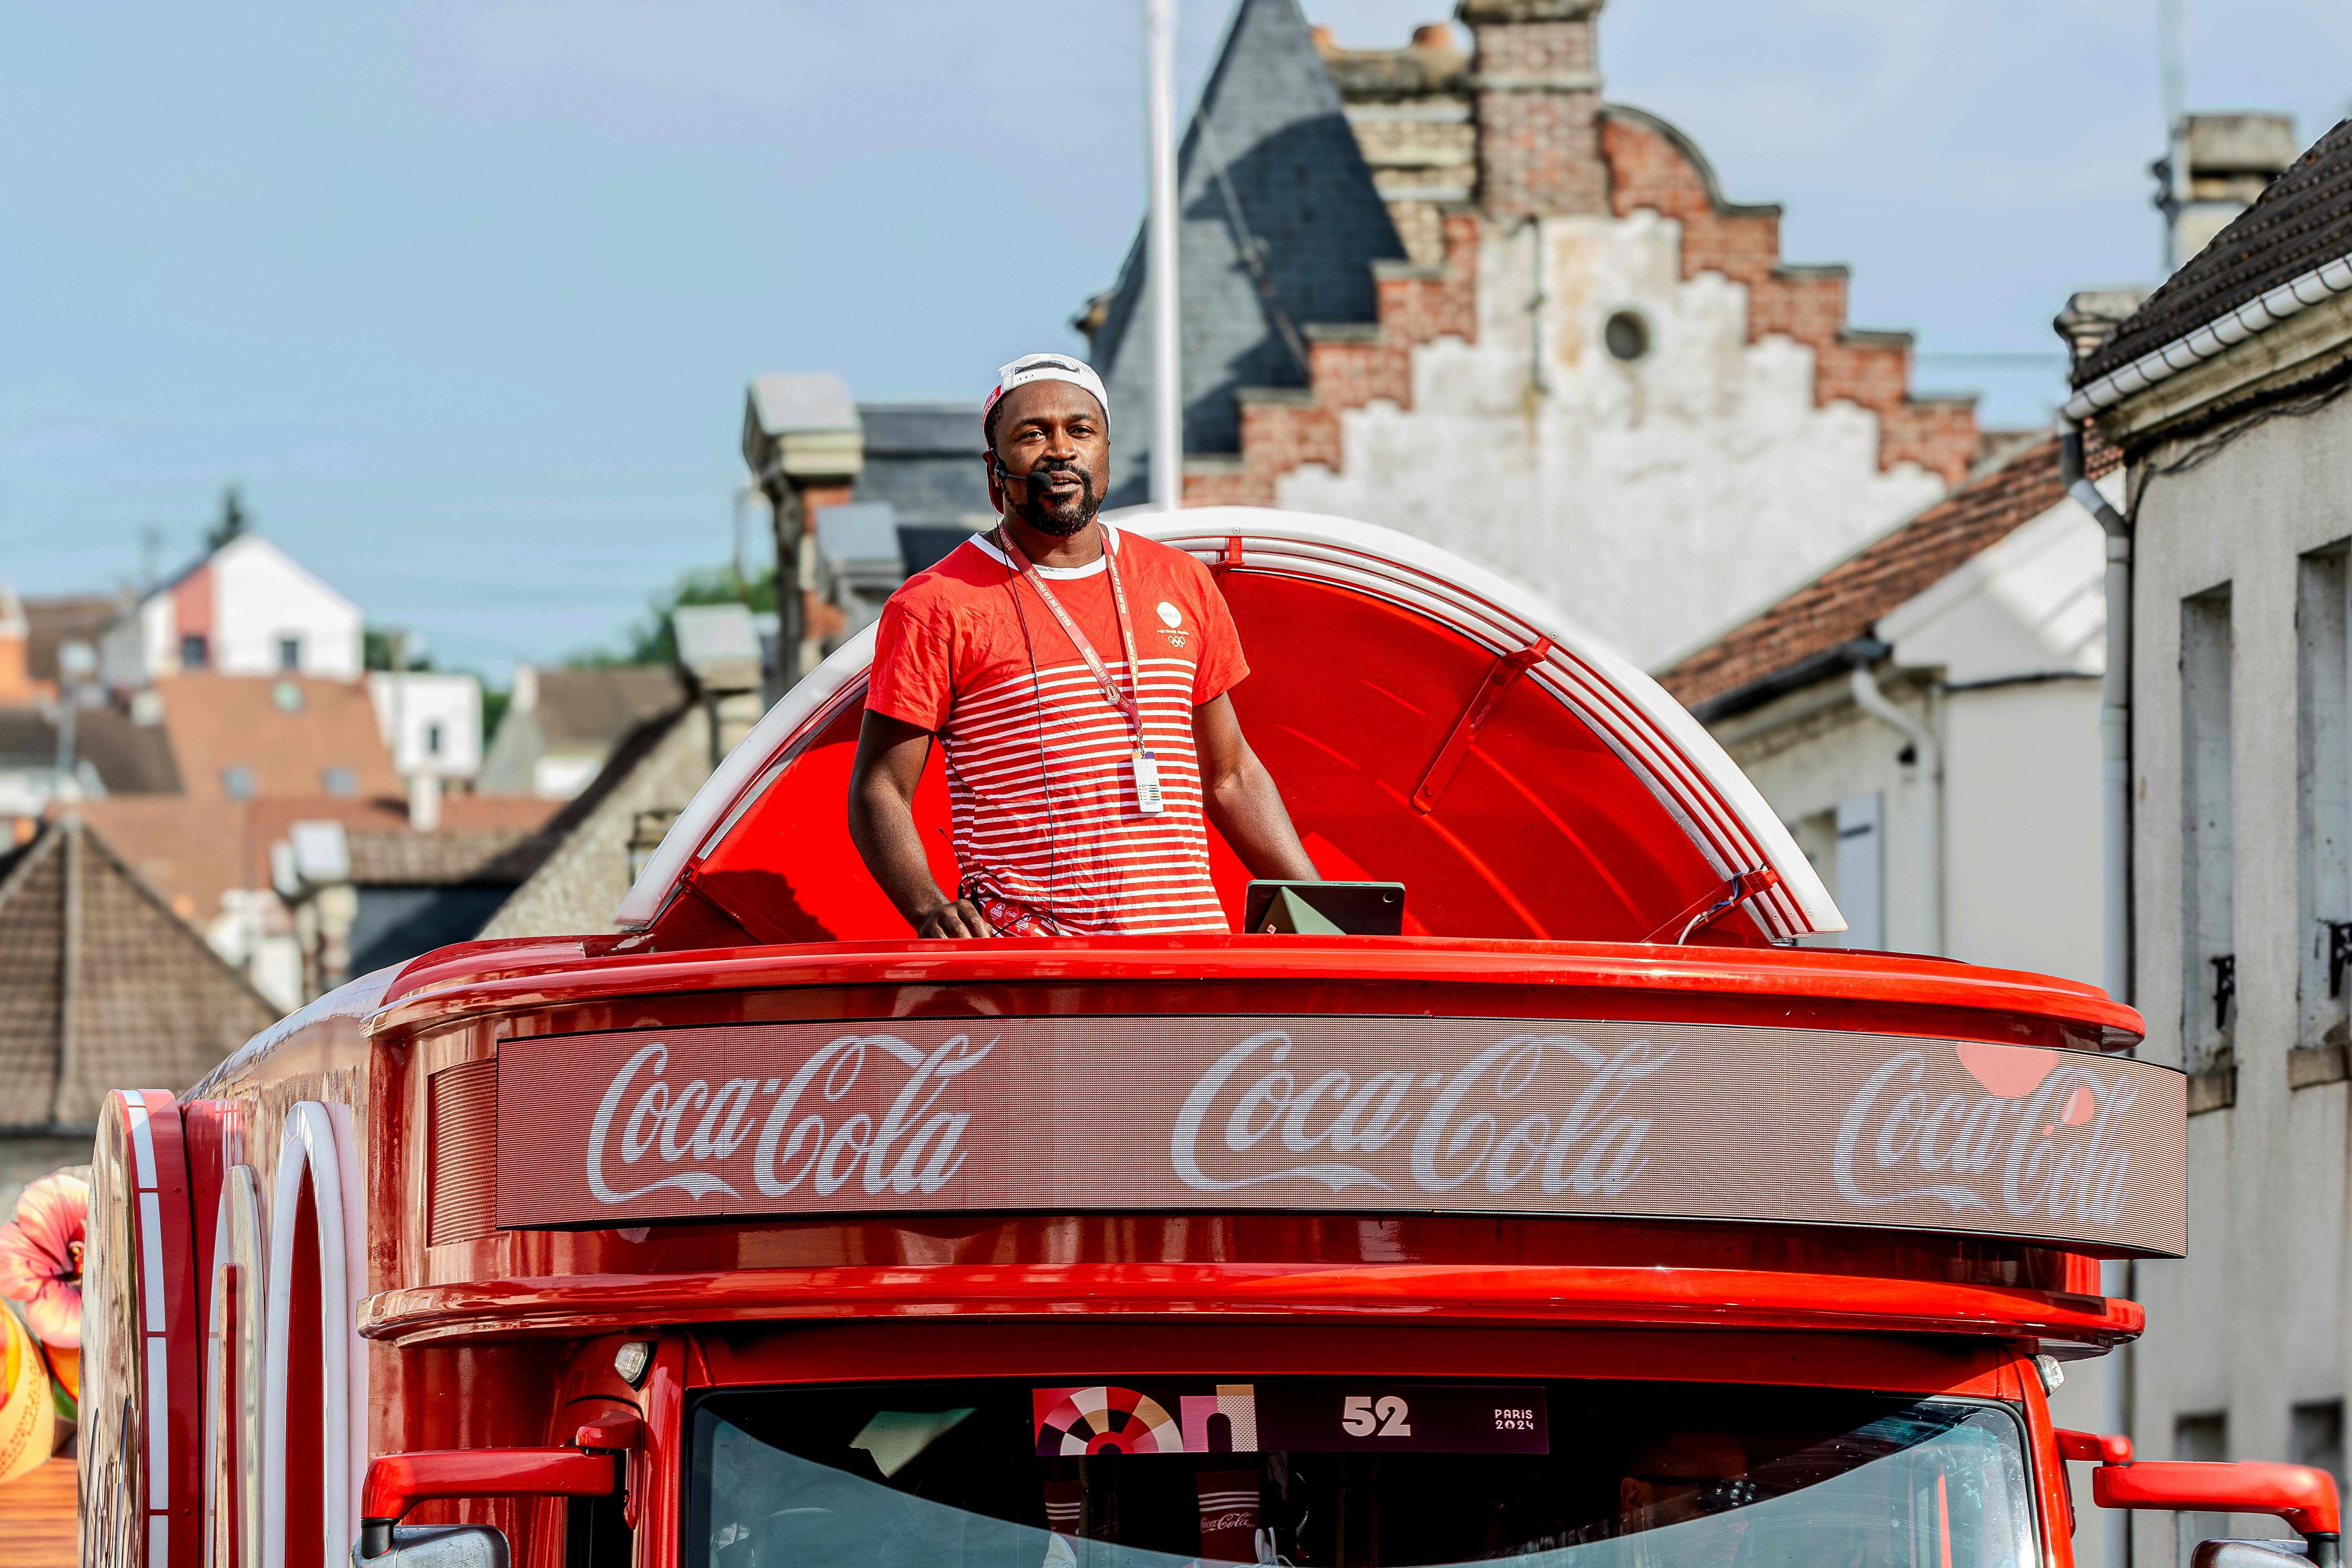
(2232, 157)
(424, 803)
(15, 678)
(1536, 78)
(2092, 316)
(805, 446)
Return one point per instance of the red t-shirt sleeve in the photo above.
(1222, 666)
(914, 666)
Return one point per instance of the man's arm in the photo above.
(1241, 800)
(882, 779)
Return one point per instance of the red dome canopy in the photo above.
(1427, 723)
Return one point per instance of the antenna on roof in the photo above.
(2172, 26)
(1167, 381)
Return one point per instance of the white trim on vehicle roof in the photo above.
(1690, 774)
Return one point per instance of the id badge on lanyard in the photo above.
(1146, 766)
(1147, 782)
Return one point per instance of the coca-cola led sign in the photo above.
(1395, 1114)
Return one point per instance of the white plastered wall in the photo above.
(411, 708)
(259, 596)
(2253, 1320)
(1654, 502)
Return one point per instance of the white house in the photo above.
(2225, 390)
(247, 608)
(1924, 715)
(431, 721)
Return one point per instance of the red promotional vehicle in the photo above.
(1589, 1221)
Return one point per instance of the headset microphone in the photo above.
(1039, 475)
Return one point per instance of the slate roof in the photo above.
(1807, 634)
(924, 459)
(405, 859)
(1272, 117)
(130, 759)
(147, 1004)
(588, 708)
(2302, 220)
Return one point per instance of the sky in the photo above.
(465, 295)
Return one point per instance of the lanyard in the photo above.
(1124, 701)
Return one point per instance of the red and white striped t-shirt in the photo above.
(1048, 828)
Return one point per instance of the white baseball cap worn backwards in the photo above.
(1044, 367)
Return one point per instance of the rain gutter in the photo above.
(2224, 332)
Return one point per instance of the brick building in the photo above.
(1464, 295)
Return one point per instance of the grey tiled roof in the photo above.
(598, 707)
(1272, 116)
(151, 1004)
(924, 459)
(130, 759)
(2303, 220)
(495, 857)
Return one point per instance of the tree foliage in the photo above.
(234, 520)
(651, 641)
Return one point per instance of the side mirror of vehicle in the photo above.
(2304, 1497)
(457, 1546)
(398, 1482)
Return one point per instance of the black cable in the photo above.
(2309, 395)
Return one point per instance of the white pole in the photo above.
(1167, 379)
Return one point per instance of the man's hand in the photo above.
(882, 779)
(1242, 799)
(954, 916)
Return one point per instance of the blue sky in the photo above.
(466, 294)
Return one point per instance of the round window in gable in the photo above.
(1627, 335)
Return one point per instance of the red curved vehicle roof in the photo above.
(1427, 723)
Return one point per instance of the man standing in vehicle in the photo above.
(1077, 677)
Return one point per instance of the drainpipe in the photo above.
(2115, 867)
(2115, 721)
(1874, 703)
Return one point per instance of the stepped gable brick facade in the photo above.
(1651, 165)
(1587, 364)
(1538, 87)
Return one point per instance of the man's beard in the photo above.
(1060, 518)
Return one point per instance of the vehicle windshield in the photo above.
(1358, 1473)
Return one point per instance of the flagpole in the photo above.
(1159, 264)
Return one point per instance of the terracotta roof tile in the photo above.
(219, 721)
(192, 851)
(1844, 602)
(50, 623)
